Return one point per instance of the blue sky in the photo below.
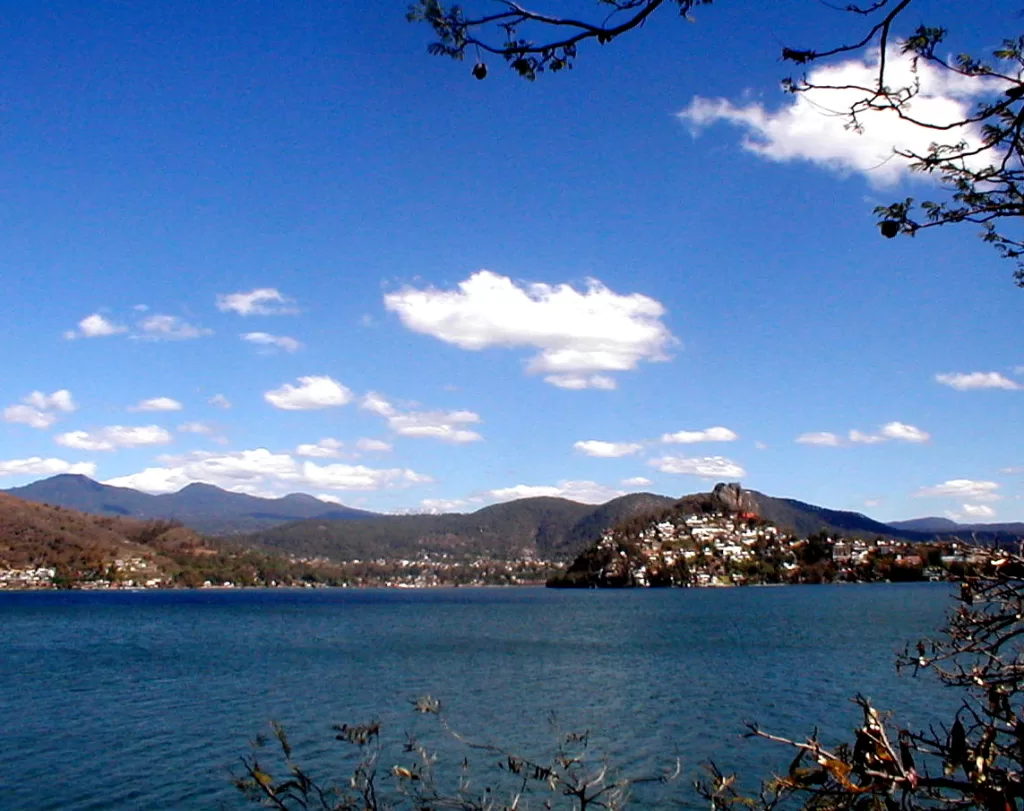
(282, 249)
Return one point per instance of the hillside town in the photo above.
(734, 549)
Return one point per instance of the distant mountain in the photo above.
(547, 528)
(202, 507)
(944, 526)
(804, 519)
(929, 524)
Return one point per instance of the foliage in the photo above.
(975, 760)
(568, 776)
(978, 160)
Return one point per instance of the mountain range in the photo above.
(542, 527)
(202, 507)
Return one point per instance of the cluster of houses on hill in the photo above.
(133, 572)
(728, 548)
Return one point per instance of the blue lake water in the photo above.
(147, 700)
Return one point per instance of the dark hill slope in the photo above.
(40, 535)
(548, 528)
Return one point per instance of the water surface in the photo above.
(131, 700)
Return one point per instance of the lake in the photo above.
(147, 700)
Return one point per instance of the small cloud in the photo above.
(169, 328)
(326, 448)
(978, 511)
(282, 342)
(95, 326)
(824, 439)
(37, 466)
(447, 426)
(579, 382)
(859, 438)
(872, 502)
(972, 381)
(373, 445)
(585, 492)
(38, 410)
(375, 403)
(962, 489)
(707, 467)
(1011, 470)
(715, 434)
(196, 428)
(904, 432)
(607, 450)
(439, 506)
(220, 401)
(760, 446)
(262, 301)
(157, 404)
(635, 481)
(313, 392)
(113, 437)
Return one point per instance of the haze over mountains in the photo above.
(544, 527)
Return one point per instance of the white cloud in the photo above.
(969, 381)
(372, 401)
(60, 400)
(872, 502)
(578, 382)
(220, 401)
(822, 438)
(708, 467)
(962, 489)
(27, 415)
(439, 506)
(157, 404)
(262, 472)
(810, 126)
(904, 432)
(317, 391)
(275, 341)
(373, 445)
(262, 301)
(578, 334)
(714, 434)
(585, 492)
(448, 426)
(635, 481)
(94, 326)
(38, 410)
(196, 428)
(113, 437)
(169, 328)
(607, 450)
(891, 430)
(37, 466)
(978, 511)
(860, 438)
(326, 448)
(761, 446)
